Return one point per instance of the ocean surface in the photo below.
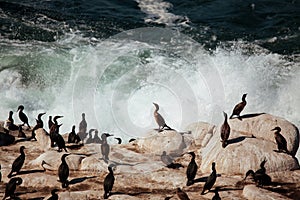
(112, 59)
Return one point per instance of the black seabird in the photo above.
(39, 124)
(22, 116)
(21, 133)
(54, 196)
(181, 194)
(18, 163)
(54, 129)
(108, 183)
(12, 125)
(159, 119)
(191, 170)
(50, 122)
(73, 137)
(216, 196)
(225, 131)
(260, 177)
(211, 179)
(96, 138)
(105, 146)
(119, 140)
(63, 172)
(82, 127)
(11, 187)
(239, 107)
(280, 140)
(59, 140)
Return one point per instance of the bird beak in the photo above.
(273, 129)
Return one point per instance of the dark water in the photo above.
(254, 21)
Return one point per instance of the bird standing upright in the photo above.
(225, 131)
(211, 179)
(159, 119)
(239, 107)
(108, 182)
(22, 116)
(18, 163)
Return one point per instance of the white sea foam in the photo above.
(116, 81)
(158, 11)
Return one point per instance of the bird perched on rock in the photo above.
(280, 140)
(181, 194)
(82, 127)
(39, 124)
(18, 163)
(105, 149)
(73, 137)
(63, 172)
(159, 119)
(239, 107)
(211, 179)
(22, 116)
(108, 182)
(191, 170)
(21, 133)
(11, 187)
(54, 129)
(225, 131)
(54, 196)
(216, 196)
(9, 123)
(259, 176)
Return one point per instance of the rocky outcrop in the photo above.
(140, 173)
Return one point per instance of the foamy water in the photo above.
(115, 81)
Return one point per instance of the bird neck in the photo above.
(110, 171)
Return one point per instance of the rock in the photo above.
(201, 132)
(43, 139)
(251, 192)
(6, 139)
(156, 142)
(243, 153)
(260, 125)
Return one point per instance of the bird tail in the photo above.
(231, 116)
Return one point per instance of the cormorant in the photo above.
(182, 195)
(108, 182)
(54, 129)
(21, 133)
(82, 127)
(18, 163)
(96, 138)
(63, 172)
(54, 195)
(217, 196)
(11, 187)
(39, 124)
(59, 140)
(50, 122)
(73, 137)
(225, 131)
(23, 116)
(90, 138)
(211, 179)
(12, 125)
(260, 177)
(191, 170)
(239, 107)
(159, 119)
(105, 146)
(280, 140)
(119, 140)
